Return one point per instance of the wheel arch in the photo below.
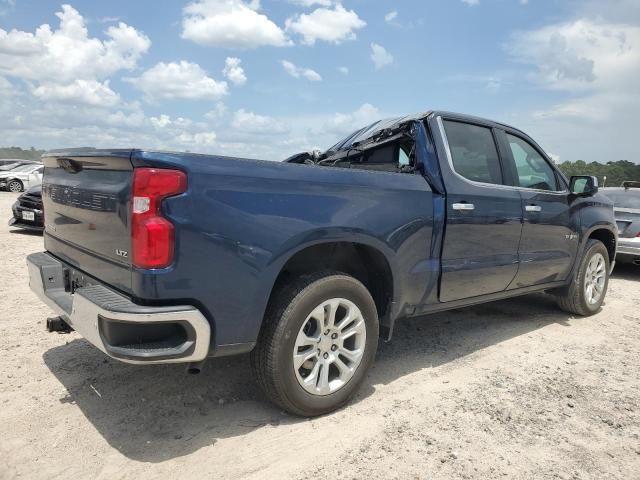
(604, 234)
(360, 258)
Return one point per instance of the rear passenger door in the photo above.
(482, 233)
(550, 232)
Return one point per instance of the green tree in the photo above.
(615, 171)
(17, 152)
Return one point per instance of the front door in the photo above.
(549, 238)
(484, 217)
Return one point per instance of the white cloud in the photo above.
(217, 113)
(233, 71)
(471, 3)
(333, 25)
(178, 80)
(88, 92)
(230, 24)
(25, 120)
(297, 72)
(5, 85)
(249, 122)
(161, 121)
(67, 60)
(596, 66)
(201, 139)
(310, 3)
(343, 70)
(344, 123)
(581, 55)
(380, 57)
(391, 16)
(108, 19)
(612, 11)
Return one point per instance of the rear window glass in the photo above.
(473, 152)
(628, 199)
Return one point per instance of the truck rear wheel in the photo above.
(585, 295)
(318, 341)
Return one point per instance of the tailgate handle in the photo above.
(69, 165)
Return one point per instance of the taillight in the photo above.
(152, 235)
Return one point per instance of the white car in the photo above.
(22, 177)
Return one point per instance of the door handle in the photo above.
(533, 208)
(463, 206)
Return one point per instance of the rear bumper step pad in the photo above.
(117, 326)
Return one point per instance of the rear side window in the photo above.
(473, 152)
(532, 169)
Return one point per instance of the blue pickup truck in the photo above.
(158, 257)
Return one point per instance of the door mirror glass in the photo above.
(584, 185)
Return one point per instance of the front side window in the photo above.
(532, 169)
(473, 152)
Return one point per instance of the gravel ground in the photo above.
(513, 389)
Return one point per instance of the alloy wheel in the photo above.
(329, 346)
(595, 278)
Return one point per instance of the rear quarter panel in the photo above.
(240, 221)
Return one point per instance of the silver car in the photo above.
(626, 200)
(22, 177)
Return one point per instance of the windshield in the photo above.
(628, 199)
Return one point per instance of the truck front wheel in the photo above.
(317, 343)
(585, 295)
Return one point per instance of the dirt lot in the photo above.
(512, 389)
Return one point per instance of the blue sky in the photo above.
(302, 73)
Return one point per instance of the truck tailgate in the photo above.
(86, 196)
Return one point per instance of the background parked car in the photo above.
(27, 211)
(626, 200)
(17, 180)
(7, 164)
(34, 179)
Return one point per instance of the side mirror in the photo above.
(584, 185)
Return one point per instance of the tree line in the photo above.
(19, 153)
(616, 172)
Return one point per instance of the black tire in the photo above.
(17, 186)
(573, 298)
(272, 360)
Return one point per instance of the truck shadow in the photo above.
(155, 413)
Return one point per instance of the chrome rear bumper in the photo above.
(114, 324)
